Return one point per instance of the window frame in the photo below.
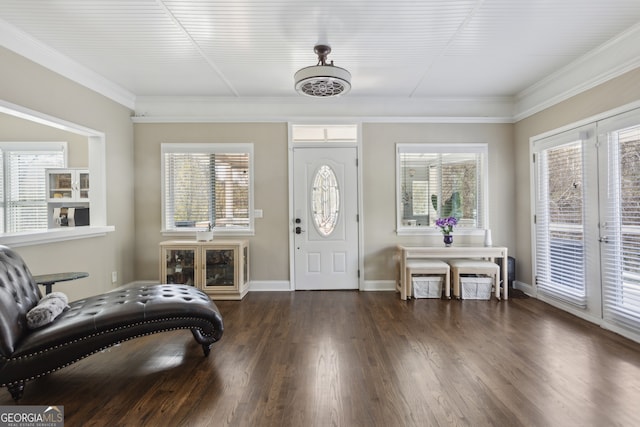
(210, 148)
(445, 148)
(96, 144)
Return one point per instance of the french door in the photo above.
(566, 219)
(619, 139)
(587, 220)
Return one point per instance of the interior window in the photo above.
(23, 195)
(438, 181)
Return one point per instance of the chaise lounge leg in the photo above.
(205, 342)
(16, 390)
(207, 349)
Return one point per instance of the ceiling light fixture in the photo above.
(322, 80)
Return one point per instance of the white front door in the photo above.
(325, 208)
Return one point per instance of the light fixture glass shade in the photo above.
(320, 81)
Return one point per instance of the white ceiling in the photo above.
(393, 48)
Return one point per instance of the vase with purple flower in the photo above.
(446, 227)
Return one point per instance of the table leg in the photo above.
(505, 277)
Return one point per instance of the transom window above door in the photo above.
(438, 181)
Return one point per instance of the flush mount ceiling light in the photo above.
(323, 80)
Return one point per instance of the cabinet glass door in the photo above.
(180, 266)
(83, 180)
(61, 185)
(219, 269)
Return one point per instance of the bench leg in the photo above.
(455, 279)
(447, 285)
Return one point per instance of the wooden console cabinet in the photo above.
(219, 267)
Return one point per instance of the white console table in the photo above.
(444, 253)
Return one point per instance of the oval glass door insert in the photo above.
(325, 200)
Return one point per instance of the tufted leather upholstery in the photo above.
(91, 324)
(18, 294)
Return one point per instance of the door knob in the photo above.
(299, 230)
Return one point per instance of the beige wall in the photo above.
(32, 86)
(14, 129)
(613, 94)
(379, 185)
(269, 248)
(270, 245)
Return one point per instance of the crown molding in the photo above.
(608, 61)
(38, 52)
(284, 109)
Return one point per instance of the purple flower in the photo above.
(446, 224)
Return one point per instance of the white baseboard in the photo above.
(633, 336)
(525, 287)
(379, 285)
(284, 286)
(269, 286)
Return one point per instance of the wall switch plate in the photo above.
(114, 276)
(257, 213)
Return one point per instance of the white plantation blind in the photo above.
(560, 234)
(207, 184)
(621, 225)
(24, 184)
(442, 180)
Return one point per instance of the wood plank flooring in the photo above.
(360, 359)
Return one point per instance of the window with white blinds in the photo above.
(621, 222)
(208, 184)
(560, 234)
(441, 180)
(23, 183)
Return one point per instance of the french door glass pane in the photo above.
(560, 253)
(622, 229)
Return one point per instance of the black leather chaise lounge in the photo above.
(89, 325)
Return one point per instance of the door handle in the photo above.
(603, 239)
(299, 230)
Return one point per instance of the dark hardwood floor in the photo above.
(360, 359)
